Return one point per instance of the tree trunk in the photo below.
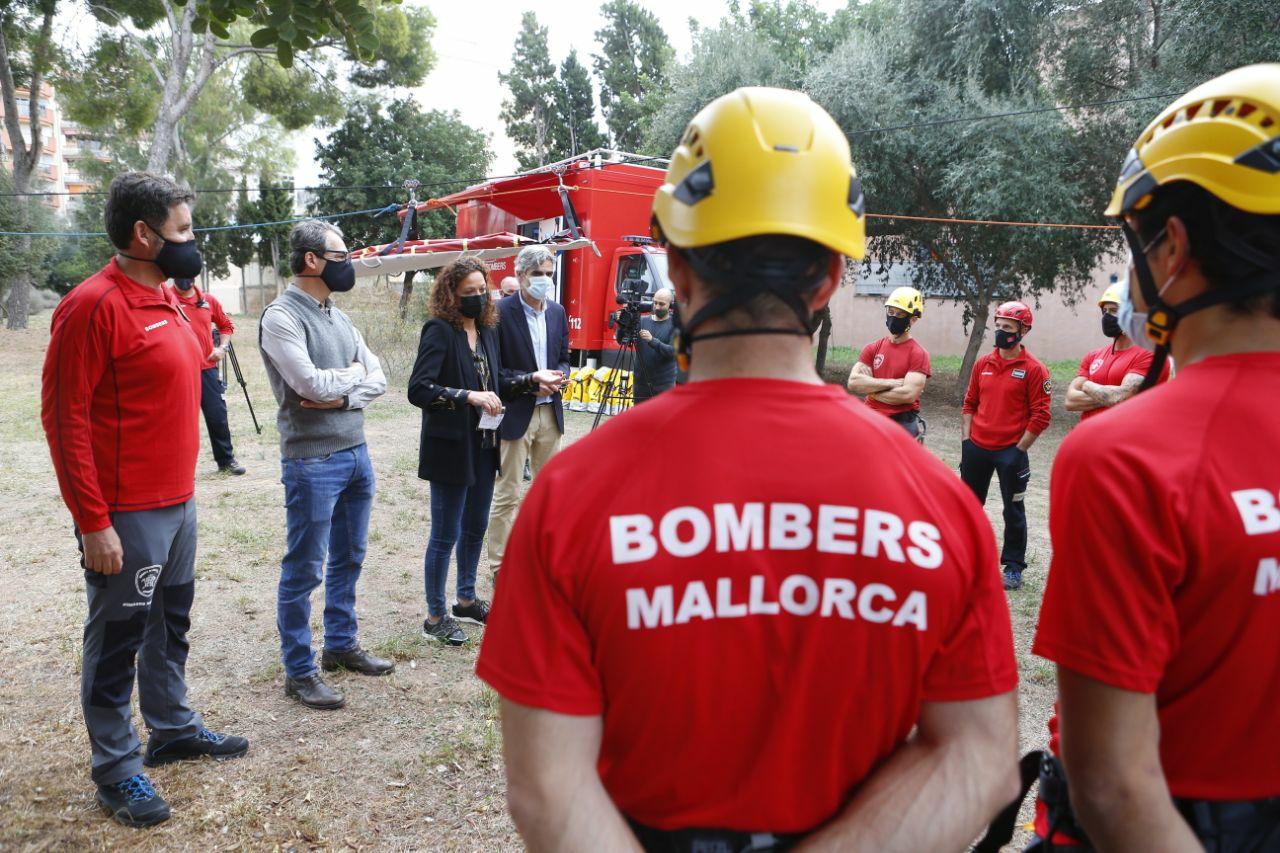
(275, 264)
(981, 313)
(25, 158)
(824, 338)
(406, 293)
(244, 292)
(175, 100)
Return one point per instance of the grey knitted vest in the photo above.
(331, 343)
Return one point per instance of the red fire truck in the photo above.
(591, 210)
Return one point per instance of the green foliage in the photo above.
(530, 113)
(633, 68)
(724, 58)
(291, 27)
(404, 54)
(274, 204)
(797, 32)
(21, 215)
(575, 129)
(295, 97)
(376, 146)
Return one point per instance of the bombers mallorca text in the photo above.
(688, 531)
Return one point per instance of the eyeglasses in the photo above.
(331, 254)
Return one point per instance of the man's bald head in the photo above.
(509, 285)
(662, 298)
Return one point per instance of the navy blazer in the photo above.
(517, 355)
(450, 438)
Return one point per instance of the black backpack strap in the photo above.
(1000, 832)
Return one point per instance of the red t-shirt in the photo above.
(120, 398)
(1105, 366)
(758, 618)
(888, 360)
(1165, 579)
(203, 319)
(1007, 397)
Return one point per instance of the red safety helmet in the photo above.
(1015, 311)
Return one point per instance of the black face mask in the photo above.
(660, 314)
(472, 307)
(338, 276)
(897, 325)
(1111, 325)
(1007, 340)
(183, 284)
(176, 260)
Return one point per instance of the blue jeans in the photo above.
(459, 514)
(327, 504)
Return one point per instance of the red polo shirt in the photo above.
(888, 360)
(1107, 366)
(120, 398)
(205, 312)
(1007, 397)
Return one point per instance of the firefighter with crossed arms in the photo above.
(1110, 375)
(891, 372)
(808, 651)
(1164, 514)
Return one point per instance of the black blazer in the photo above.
(450, 440)
(517, 353)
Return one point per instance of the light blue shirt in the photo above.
(537, 320)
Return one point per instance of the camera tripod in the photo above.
(612, 394)
(235, 366)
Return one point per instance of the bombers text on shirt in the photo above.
(689, 531)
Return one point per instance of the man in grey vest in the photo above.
(323, 376)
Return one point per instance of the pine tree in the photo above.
(530, 112)
(633, 69)
(575, 130)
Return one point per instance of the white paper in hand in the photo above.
(488, 421)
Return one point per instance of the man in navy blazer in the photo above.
(534, 334)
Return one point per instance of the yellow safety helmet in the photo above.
(762, 161)
(1113, 293)
(1223, 135)
(908, 299)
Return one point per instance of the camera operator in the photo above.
(655, 353)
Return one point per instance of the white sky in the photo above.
(474, 40)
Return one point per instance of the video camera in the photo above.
(626, 321)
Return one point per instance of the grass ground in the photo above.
(414, 761)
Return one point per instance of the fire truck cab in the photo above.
(602, 196)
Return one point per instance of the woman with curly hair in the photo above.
(457, 377)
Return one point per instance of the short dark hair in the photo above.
(143, 196)
(1222, 237)
(777, 261)
(309, 235)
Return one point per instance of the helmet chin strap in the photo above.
(1163, 318)
(748, 289)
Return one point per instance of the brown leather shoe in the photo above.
(313, 692)
(356, 660)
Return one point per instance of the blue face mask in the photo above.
(1133, 323)
(539, 286)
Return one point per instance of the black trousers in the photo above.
(215, 415)
(1013, 469)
